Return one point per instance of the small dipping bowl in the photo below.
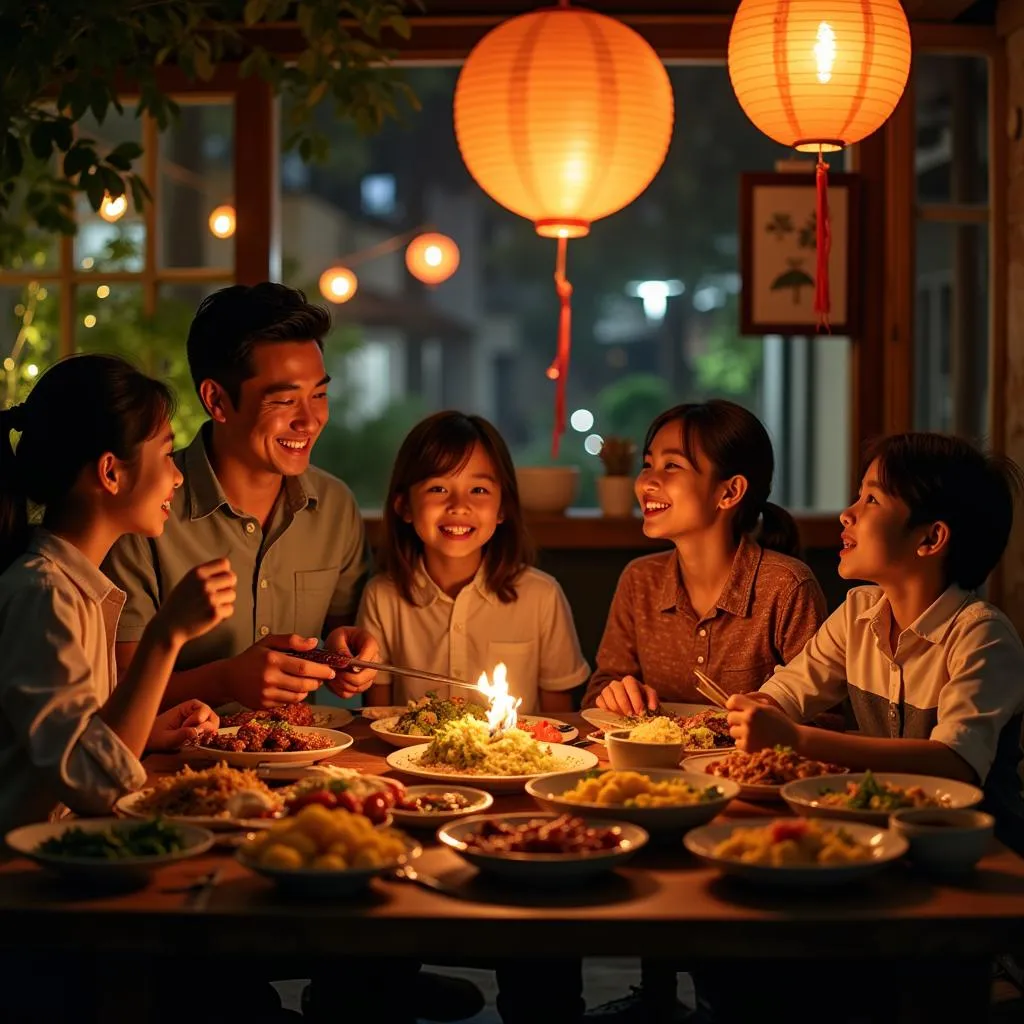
(944, 841)
(625, 754)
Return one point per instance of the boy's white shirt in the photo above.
(956, 676)
(534, 635)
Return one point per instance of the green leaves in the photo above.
(79, 50)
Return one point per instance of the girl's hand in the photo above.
(182, 725)
(754, 724)
(356, 643)
(204, 597)
(627, 696)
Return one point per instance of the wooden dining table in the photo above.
(663, 900)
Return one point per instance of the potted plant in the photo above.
(615, 488)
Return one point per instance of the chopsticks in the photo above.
(710, 689)
(413, 673)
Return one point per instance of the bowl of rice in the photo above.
(655, 743)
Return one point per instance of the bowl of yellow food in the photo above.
(323, 852)
(661, 801)
(655, 743)
(942, 840)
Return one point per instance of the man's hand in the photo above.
(266, 676)
(183, 724)
(356, 643)
(754, 723)
(627, 696)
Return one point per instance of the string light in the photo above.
(103, 291)
(89, 321)
(113, 208)
(222, 222)
(338, 284)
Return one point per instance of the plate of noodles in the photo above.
(218, 798)
(503, 763)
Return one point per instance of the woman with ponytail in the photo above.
(92, 462)
(730, 598)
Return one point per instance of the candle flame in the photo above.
(502, 706)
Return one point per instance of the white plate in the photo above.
(384, 728)
(479, 801)
(547, 790)
(389, 711)
(802, 795)
(327, 717)
(557, 868)
(25, 841)
(340, 741)
(310, 882)
(406, 760)
(885, 846)
(754, 793)
(609, 720)
(129, 807)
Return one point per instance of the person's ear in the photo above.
(111, 473)
(733, 491)
(401, 507)
(215, 400)
(934, 541)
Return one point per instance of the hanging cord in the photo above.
(558, 371)
(822, 300)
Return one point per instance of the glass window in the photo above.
(654, 303)
(951, 113)
(951, 350)
(196, 199)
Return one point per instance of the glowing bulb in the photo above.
(41, 294)
(113, 207)
(433, 255)
(31, 370)
(825, 52)
(582, 420)
(9, 364)
(552, 373)
(338, 284)
(592, 445)
(87, 263)
(103, 291)
(89, 321)
(222, 221)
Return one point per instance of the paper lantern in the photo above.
(338, 284)
(113, 208)
(222, 222)
(819, 75)
(432, 258)
(563, 116)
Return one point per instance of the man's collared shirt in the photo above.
(956, 676)
(769, 608)
(309, 565)
(534, 635)
(58, 618)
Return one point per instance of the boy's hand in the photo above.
(355, 643)
(181, 725)
(627, 696)
(754, 724)
(204, 597)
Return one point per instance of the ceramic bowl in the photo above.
(547, 489)
(624, 753)
(943, 840)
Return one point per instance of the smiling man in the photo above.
(293, 533)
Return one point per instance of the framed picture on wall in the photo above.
(778, 253)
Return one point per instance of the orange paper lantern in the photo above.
(432, 258)
(563, 116)
(338, 284)
(819, 75)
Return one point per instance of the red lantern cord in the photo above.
(558, 371)
(822, 300)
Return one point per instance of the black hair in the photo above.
(81, 408)
(735, 443)
(946, 479)
(231, 321)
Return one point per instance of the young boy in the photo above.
(934, 673)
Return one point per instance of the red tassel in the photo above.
(822, 301)
(558, 371)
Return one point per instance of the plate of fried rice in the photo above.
(216, 798)
(500, 763)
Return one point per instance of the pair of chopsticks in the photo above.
(707, 687)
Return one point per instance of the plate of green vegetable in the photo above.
(108, 847)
